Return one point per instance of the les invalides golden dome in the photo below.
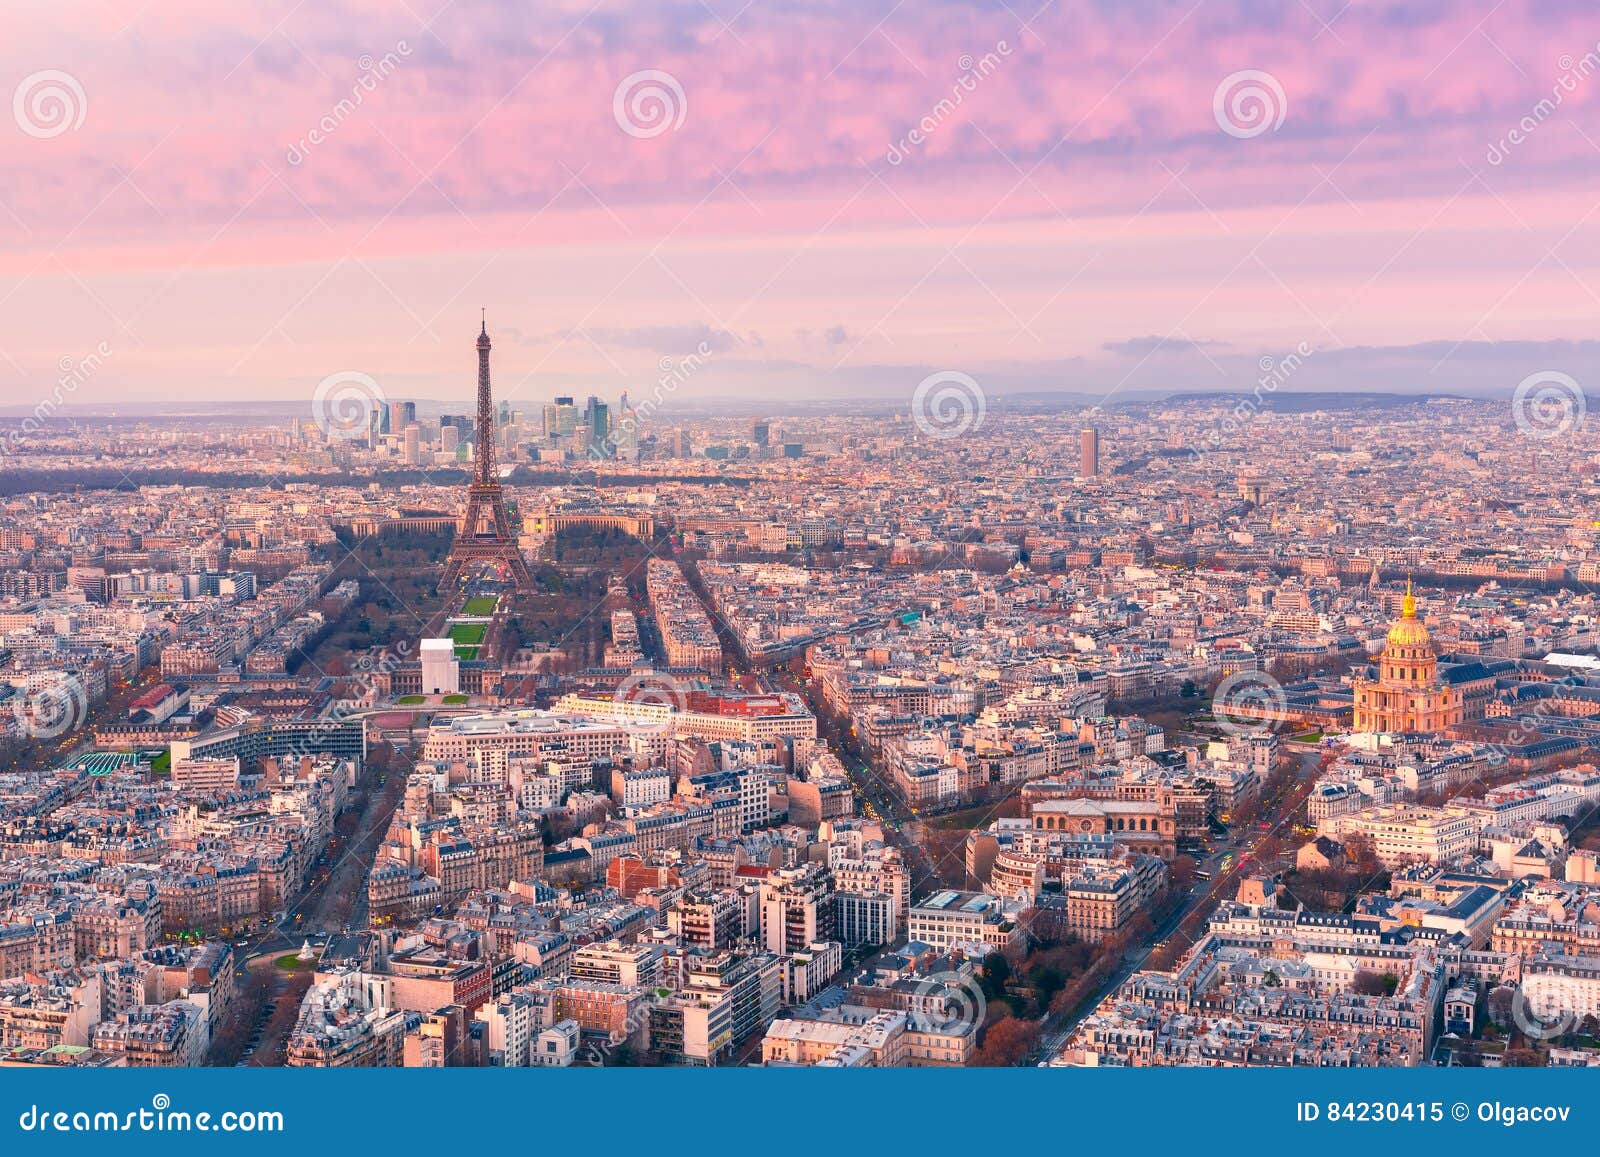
(1408, 630)
(1407, 695)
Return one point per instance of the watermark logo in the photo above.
(52, 709)
(1540, 1018)
(366, 681)
(649, 103)
(973, 73)
(1248, 103)
(1548, 404)
(74, 372)
(949, 1001)
(1274, 373)
(1572, 73)
(158, 1117)
(49, 103)
(1248, 703)
(373, 72)
(624, 432)
(948, 404)
(647, 689)
(344, 404)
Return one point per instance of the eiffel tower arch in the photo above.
(485, 534)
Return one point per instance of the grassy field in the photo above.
(470, 634)
(291, 962)
(465, 652)
(410, 700)
(482, 605)
(455, 699)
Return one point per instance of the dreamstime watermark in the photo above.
(1548, 404)
(1274, 372)
(1572, 71)
(1520, 732)
(948, 404)
(949, 1001)
(74, 372)
(48, 103)
(1248, 103)
(53, 707)
(158, 1117)
(1249, 703)
(648, 103)
(373, 72)
(672, 373)
(367, 678)
(636, 1024)
(1541, 1017)
(973, 73)
(647, 689)
(344, 404)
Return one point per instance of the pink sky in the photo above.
(1081, 199)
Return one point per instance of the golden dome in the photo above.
(1408, 630)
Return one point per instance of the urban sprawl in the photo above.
(1190, 732)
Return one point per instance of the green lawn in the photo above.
(482, 605)
(162, 764)
(468, 633)
(291, 962)
(465, 652)
(410, 700)
(454, 699)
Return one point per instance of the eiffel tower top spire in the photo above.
(485, 533)
(484, 474)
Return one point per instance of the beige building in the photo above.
(1407, 696)
(1408, 834)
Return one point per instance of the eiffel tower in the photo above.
(485, 534)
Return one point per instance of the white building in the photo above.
(441, 672)
(528, 732)
(557, 1045)
(1409, 834)
(949, 918)
(1559, 986)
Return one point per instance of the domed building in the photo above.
(1407, 695)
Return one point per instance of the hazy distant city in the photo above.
(828, 536)
(1191, 732)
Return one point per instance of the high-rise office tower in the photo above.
(449, 439)
(413, 445)
(1089, 452)
(560, 419)
(625, 433)
(597, 417)
(408, 414)
(760, 431)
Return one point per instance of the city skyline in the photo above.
(1087, 206)
(1089, 560)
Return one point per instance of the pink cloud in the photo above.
(492, 132)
